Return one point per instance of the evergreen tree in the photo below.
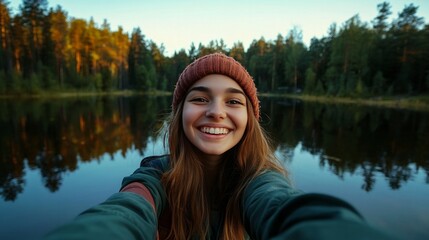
(178, 63)
(318, 54)
(278, 67)
(295, 59)
(259, 59)
(59, 30)
(18, 51)
(379, 22)
(33, 14)
(135, 57)
(48, 56)
(5, 42)
(406, 33)
(141, 67)
(121, 46)
(193, 52)
(350, 57)
(380, 57)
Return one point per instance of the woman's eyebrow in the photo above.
(234, 90)
(207, 90)
(199, 89)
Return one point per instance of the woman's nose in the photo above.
(216, 110)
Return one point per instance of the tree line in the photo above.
(44, 49)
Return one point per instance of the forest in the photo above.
(42, 49)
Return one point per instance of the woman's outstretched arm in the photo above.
(130, 214)
(274, 210)
(125, 215)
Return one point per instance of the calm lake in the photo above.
(59, 157)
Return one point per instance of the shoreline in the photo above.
(417, 102)
(74, 94)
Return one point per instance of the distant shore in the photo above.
(420, 103)
(74, 94)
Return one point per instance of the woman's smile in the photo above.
(215, 131)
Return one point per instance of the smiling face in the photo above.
(214, 114)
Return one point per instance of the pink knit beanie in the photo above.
(216, 63)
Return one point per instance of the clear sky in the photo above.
(178, 23)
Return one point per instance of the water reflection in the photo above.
(54, 136)
(350, 138)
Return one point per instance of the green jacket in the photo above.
(271, 209)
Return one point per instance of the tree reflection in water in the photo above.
(354, 139)
(54, 136)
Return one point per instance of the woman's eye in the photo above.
(234, 101)
(198, 99)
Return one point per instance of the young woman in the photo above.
(221, 179)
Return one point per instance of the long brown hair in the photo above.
(184, 183)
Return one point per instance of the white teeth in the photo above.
(215, 131)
